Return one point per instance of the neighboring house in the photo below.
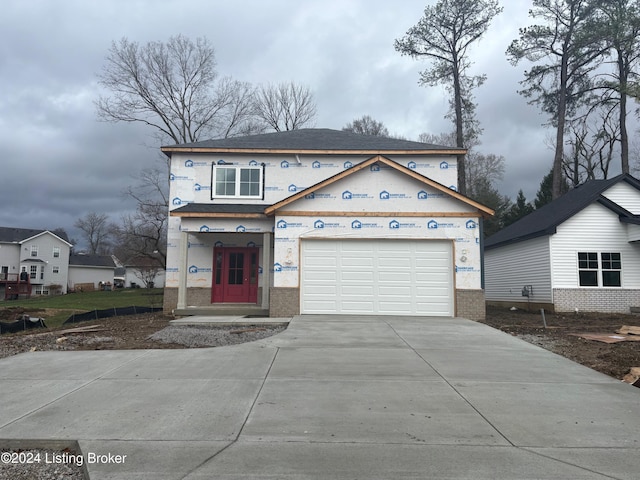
(87, 269)
(41, 253)
(319, 221)
(142, 272)
(581, 251)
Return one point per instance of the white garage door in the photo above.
(379, 277)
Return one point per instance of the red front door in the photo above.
(235, 275)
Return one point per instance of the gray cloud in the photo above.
(61, 163)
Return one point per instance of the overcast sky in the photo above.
(60, 162)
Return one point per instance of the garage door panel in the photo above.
(376, 276)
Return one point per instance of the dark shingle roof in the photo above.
(13, 235)
(91, 261)
(545, 220)
(313, 139)
(9, 234)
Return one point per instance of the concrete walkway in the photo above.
(332, 398)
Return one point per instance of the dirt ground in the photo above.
(132, 332)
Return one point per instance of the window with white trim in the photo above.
(599, 269)
(231, 181)
(55, 269)
(34, 250)
(33, 272)
(56, 252)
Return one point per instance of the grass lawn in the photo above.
(60, 307)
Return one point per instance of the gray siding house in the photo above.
(43, 255)
(581, 251)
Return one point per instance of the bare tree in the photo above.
(566, 41)
(620, 24)
(143, 234)
(285, 106)
(444, 36)
(366, 125)
(174, 88)
(97, 232)
(592, 146)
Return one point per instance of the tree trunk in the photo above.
(457, 92)
(624, 138)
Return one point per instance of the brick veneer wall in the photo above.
(195, 296)
(170, 301)
(606, 300)
(470, 304)
(284, 302)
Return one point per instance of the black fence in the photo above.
(109, 312)
(24, 323)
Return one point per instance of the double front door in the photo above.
(235, 275)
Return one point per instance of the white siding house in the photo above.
(581, 251)
(322, 221)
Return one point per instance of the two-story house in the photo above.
(41, 254)
(319, 221)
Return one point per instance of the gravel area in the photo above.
(192, 336)
(41, 464)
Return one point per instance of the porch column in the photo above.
(266, 268)
(182, 265)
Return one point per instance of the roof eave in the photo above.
(293, 151)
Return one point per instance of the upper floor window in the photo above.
(229, 181)
(34, 250)
(599, 269)
(56, 252)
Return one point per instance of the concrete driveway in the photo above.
(332, 398)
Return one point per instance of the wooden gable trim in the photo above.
(356, 168)
(484, 211)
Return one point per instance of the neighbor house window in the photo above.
(611, 267)
(230, 181)
(56, 252)
(34, 250)
(56, 269)
(599, 269)
(33, 272)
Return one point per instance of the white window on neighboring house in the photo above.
(56, 252)
(56, 269)
(42, 272)
(34, 250)
(33, 272)
(599, 269)
(611, 269)
(229, 181)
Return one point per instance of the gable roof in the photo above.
(82, 260)
(313, 140)
(545, 220)
(485, 211)
(18, 235)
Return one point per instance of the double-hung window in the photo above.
(231, 181)
(599, 269)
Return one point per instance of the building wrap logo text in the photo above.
(384, 195)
